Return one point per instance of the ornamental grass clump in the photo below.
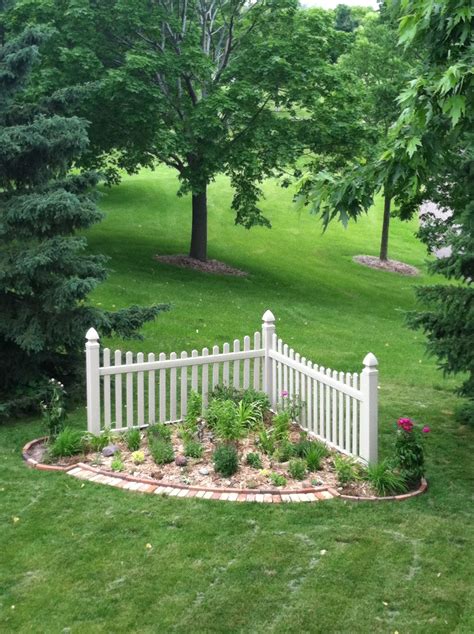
(409, 451)
(386, 480)
(133, 439)
(313, 454)
(68, 442)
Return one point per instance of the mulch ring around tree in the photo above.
(214, 267)
(388, 265)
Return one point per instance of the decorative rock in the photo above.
(180, 461)
(204, 471)
(110, 450)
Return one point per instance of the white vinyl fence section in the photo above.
(339, 408)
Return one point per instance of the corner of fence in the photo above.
(369, 410)
(93, 381)
(268, 330)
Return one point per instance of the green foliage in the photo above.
(266, 442)
(91, 442)
(161, 451)
(409, 454)
(159, 431)
(138, 457)
(194, 410)
(133, 439)
(277, 479)
(284, 451)
(313, 454)
(281, 426)
(226, 460)
(223, 417)
(248, 414)
(53, 408)
(254, 460)
(249, 397)
(347, 470)
(117, 463)
(45, 207)
(297, 468)
(193, 449)
(465, 413)
(68, 442)
(385, 480)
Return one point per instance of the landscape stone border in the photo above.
(160, 487)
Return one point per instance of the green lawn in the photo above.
(73, 555)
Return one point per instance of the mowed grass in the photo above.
(74, 556)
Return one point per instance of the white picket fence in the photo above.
(338, 408)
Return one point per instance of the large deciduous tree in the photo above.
(204, 86)
(45, 274)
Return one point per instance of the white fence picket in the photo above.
(347, 436)
(236, 371)
(129, 384)
(140, 393)
(107, 412)
(335, 375)
(291, 381)
(215, 368)
(152, 392)
(309, 400)
(355, 418)
(225, 365)
(285, 370)
(184, 387)
(205, 379)
(162, 390)
(256, 362)
(274, 397)
(118, 391)
(194, 373)
(173, 388)
(280, 373)
(246, 383)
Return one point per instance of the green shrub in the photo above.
(260, 400)
(117, 463)
(138, 457)
(297, 468)
(250, 396)
(162, 451)
(159, 431)
(228, 427)
(346, 470)
(284, 451)
(194, 410)
(193, 449)
(464, 413)
(266, 442)
(225, 393)
(91, 442)
(313, 454)
(68, 442)
(226, 460)
(281, 426)
(409, 451)
(254, 460)
(277, 479)
(133, 439)
(385, 480)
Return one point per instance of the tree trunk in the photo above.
(385, 227)
(198, 248)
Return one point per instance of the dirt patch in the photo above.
(389, 265)
(214, 267)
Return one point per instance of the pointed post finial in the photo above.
(92, 335)
(370, 360)
(268, 317)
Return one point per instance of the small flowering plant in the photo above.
(409, 450)
(293, 406)
(53, 409)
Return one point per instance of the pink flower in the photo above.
(426, 429)
(284, 393)
(405, 424)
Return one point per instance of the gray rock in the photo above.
(204, 471)
(110, 450)
(180, 461)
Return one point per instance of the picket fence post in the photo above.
(93, 381)
(369, 410)
(268, 330)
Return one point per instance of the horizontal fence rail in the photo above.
(126, 390)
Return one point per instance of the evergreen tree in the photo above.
(45, 274)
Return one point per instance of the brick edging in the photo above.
(162, 487)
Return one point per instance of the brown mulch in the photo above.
(390, 265)
(210, 266)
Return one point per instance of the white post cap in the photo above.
(92, 335)
(370, 361)
(268, 317)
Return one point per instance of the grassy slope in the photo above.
(77, 558)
